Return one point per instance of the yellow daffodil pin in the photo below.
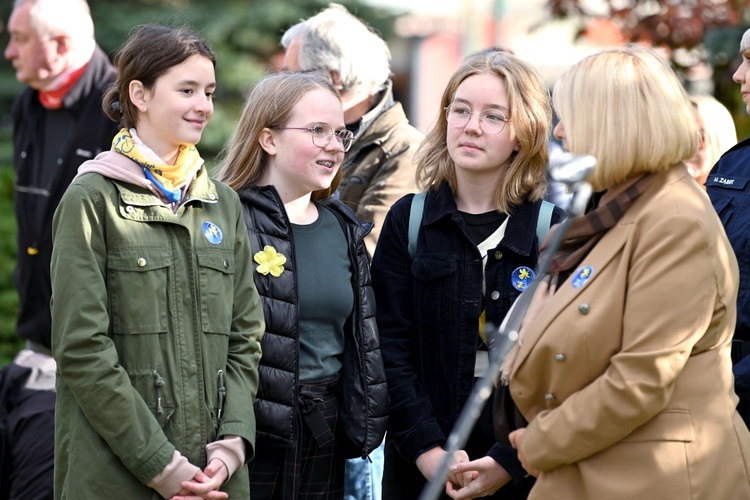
(270, 261)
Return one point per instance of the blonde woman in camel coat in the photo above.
(624, 372)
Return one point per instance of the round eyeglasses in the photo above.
(492, 121)
(322, 135)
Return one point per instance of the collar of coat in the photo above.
(519, 234)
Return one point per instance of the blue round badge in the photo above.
(522, 277)
(212, 232)
(582, 276)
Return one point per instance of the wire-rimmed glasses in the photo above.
(492, 120)
(322, 135)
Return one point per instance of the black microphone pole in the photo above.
(572, 170)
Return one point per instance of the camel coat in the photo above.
(626, 379)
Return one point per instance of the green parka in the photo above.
(156, 330)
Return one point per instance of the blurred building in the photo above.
(431, 43)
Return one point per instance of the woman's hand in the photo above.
(429, 462)
(205, 484)
(516, 438)
(488, 477)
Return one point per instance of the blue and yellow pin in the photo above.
(582, 276)
(212, 233)
(522, 277)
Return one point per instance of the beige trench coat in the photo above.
(626, 379)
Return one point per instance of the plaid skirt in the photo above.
(311, 470)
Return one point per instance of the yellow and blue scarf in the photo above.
(169, 179)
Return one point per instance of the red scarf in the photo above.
(53, 99)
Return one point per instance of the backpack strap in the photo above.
(544, 220)
(415, 220)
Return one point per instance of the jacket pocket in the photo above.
(152, 385)
(216, 269)
(723, 204)
(669, 425)
(138, 289)
(434, 287)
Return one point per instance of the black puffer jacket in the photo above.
(364, 407)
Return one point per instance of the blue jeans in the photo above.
(362, 478)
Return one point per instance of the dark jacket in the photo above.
(728, 186)
(364, 409)
(428, 314)
(35, 204)
(378, 169)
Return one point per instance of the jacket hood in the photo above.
(113, 165)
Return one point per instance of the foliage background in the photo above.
(245, 35)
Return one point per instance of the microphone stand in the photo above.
(507, 334)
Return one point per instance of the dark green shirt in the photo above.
(326, 297)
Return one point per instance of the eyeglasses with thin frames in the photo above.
(322, 135)
(492, 121)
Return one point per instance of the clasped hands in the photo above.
(466, 479)
(205, 484)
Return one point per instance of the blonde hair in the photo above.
(745, 42)
(268, 105)
(627, 108)
(718, 132)
(530, 114)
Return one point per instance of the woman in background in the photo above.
(718, 135)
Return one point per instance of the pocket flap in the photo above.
(669, 425)
(139, 259)
(428, 269)
(218, 260)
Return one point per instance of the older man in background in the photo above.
(58, 123)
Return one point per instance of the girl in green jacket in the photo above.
(156, 321)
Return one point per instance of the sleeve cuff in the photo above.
(230, 450)
(168, 482)
(507, 457)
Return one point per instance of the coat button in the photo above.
(226, 265)
(560, 357)
(212, 196)
(584, 308)
(495, 295)
(498, 255)
(130, 209)
(141, 262)
(549, 396)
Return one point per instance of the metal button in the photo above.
(549, 396)
(141, 262)
(59, 161)
(495, 295)
(130, 209)
(226, 265)
(584, 308)
(560, 357)
(498, 255)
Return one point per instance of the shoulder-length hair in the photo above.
(268, 105)
(530, 114)
(627, 108)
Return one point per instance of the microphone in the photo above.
(570, 169)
